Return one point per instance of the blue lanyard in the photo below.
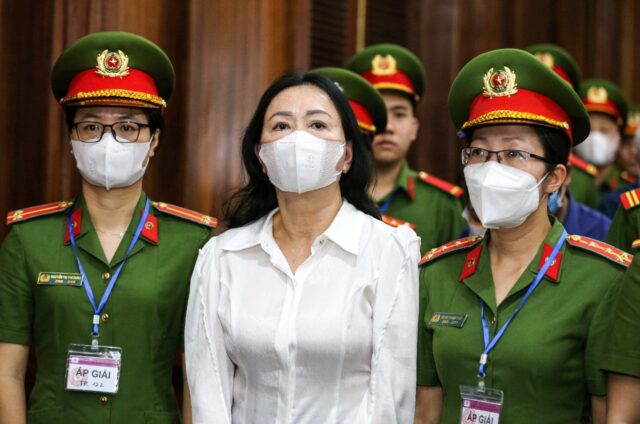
(385, 205)
(114, 278)
(489, 345)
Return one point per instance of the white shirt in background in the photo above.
(333, 343)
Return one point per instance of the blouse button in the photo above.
(106, 275)
(104, 400)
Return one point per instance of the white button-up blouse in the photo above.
(334, 342)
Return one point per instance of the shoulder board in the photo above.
(443, 185)
(630, 199)
(22, 215)
(601, 248)
(584, 165)
(395, 222)
(453, 246)
(629, 178)
(187, 214)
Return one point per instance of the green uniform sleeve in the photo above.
(600, 324)
(624, 229)
(426, 367)
(16, 301)
(622, 351)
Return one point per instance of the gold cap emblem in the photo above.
(546, 58)
(112, 64)
(386, 65)
(501, 82)
(633, 119)
(597, 95)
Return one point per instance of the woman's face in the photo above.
(306, 108)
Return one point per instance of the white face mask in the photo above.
(110, 164)
(301, 162)
(502, 196)
(598, 149)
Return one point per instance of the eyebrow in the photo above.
(309, 112)
(399, 107)
(94, 116)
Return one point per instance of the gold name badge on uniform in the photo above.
(59, 279)
(444, 319)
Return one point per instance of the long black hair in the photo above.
(258, 196)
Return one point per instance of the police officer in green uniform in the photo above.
(96, 286)
(608, 109)
(511, 325)
(620, 357)
(428, 204)
(582, 180)
(624, 232)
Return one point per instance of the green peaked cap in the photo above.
(513, 86)
(600, 95)
(357, 89)
(113, 68)
(390, 67)
(559, 60)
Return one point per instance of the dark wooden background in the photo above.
(227, 51)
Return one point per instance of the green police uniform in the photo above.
(598, 96)
(546, 363)
(624, 232)
(621, 352)
(43, 304)
(429, 205)
(583, 185)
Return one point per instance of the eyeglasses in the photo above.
(510, 157)
(123, 132)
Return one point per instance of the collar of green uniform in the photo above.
(551, 239)
(86, 226)
(481, 281)
(402, 181)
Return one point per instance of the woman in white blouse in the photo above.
(305, 310)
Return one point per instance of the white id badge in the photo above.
(93, 368)
(480, 406)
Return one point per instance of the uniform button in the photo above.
(104, 400)
(105, 317)
(106, 275)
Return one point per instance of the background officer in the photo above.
(428, 204)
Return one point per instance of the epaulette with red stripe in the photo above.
(630, 199)
(584, 165)
(395, 222)
(22, 215)
(450, 247)
(443, 185)
(187, 214)
(601, 248)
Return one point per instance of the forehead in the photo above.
(300, 99)
(522, 137)
(395, 99)
(601, 119)
(108, 112)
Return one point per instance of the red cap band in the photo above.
(88, 86)
(397, 81)
(365, 121)
(525, 105)
(607, 107)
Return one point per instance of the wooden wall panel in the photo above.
(226, 52)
